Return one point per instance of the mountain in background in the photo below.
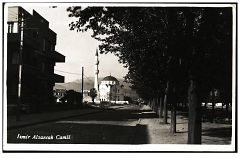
(88, 83)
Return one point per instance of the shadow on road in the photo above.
(141, 136)
(108, 127)
(80, 133)
(119, 115)
(218, 132)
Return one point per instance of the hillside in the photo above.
(89, 83)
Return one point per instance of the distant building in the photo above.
(59, 93)
(86, 93)
(86, 96)
(110, 90)
(38, 57)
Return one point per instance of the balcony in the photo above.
(13, 68)
(58, 78)
(15, 37)
(26, 69)
(57, 57)
(34, 71)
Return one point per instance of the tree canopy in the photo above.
(160, 45)
(93, 94)
(153, 42)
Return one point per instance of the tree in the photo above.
(93, 94)
(167, 51)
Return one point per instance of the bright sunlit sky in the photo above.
(78, 48)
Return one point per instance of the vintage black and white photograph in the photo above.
(119, 77)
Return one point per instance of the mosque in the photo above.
(109, 88)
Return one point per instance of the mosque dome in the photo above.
(109, 78)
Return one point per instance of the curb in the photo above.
(51, 120)
(137, 126)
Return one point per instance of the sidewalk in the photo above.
(151, 130)
(33, 119)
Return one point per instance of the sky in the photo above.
(78, 48)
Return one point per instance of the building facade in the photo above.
(110, 90)
(59, 93)
(38, 57)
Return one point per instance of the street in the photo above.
(111, 126)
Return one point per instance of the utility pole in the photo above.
(20, 68)
(82, 85)
(125, 96)
(115, 94)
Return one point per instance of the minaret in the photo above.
(96, 74)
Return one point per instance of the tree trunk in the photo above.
(161, 108)
(205, 106)
(165, 110)
(222, 105)
(152, 102)
(149, 103)
(194, 108)
(185, 104)
(156, 104)
(194, 118)
(173, 116)
(165, 105)
(213, 105)
(227, 100)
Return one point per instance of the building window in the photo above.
(13, 89)
(52, 47)
(44, 86)
(12, 27)
(35, 35)
(15, 57)
(34, 62)
(43, 66)
(44, 44)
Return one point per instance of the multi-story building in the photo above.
(38, 57)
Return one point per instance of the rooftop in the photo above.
(109, 78)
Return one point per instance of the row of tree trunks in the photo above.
(194, 124)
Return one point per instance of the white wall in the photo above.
(108, 93)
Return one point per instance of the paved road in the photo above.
(108, 127)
